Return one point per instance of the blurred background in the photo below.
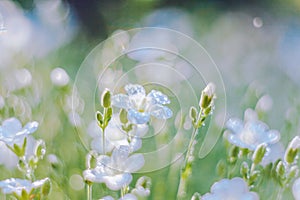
(255, 45)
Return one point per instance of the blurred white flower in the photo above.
(15, 185)
(273, 153)
(59, 77)
(142, 187)
(115, 171)
(296, 189)
(264, 104)
(12, 132)
(234, 189)
(250, 133)
(140, 106)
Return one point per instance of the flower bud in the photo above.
(280, 169)
(193, 114)
(259, 153)
(106, 98)
(40, 149)
(292, 150)
(244, 170)
(46, 188)
(207, 96)
(123, 116)
(99, 118)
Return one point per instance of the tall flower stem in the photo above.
(103, 141)
(186, 170)
(89, 191)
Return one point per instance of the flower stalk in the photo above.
(198, 118)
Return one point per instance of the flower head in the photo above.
(15, 185)
(11, 131)
(141, 106)
(250, 133)
(115, 171)
(234, 189)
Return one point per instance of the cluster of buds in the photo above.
(206, 105)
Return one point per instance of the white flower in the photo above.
(59, 77)
(15, 185)
(251, 133)
(296, 189)
(140, 107)
(115, 171)
(11, 131)
(234, 189)
(142, 187)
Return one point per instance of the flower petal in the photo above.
(31, 127)
(129, 197)
(118, 181)
(296, 189)
(235, 125)
(161, 112)
(135, 144)
(11, 127)
(121, 101)
(157, 97)
(136, 117)
(119, 155)
(134, 163)
(135, 89)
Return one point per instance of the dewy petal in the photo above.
(118, 181)
(31, 127)
(121, 101)
(158, 97)
(11, 127)
(235, 125)
(136, 117)
(134, 163)
(161, 112)
(135, 89)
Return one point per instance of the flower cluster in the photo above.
(116, 138)
(19, 141)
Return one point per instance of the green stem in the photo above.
(279, 194)
(89, 191)
(184, 175)
(103, 141)
(186, 168)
